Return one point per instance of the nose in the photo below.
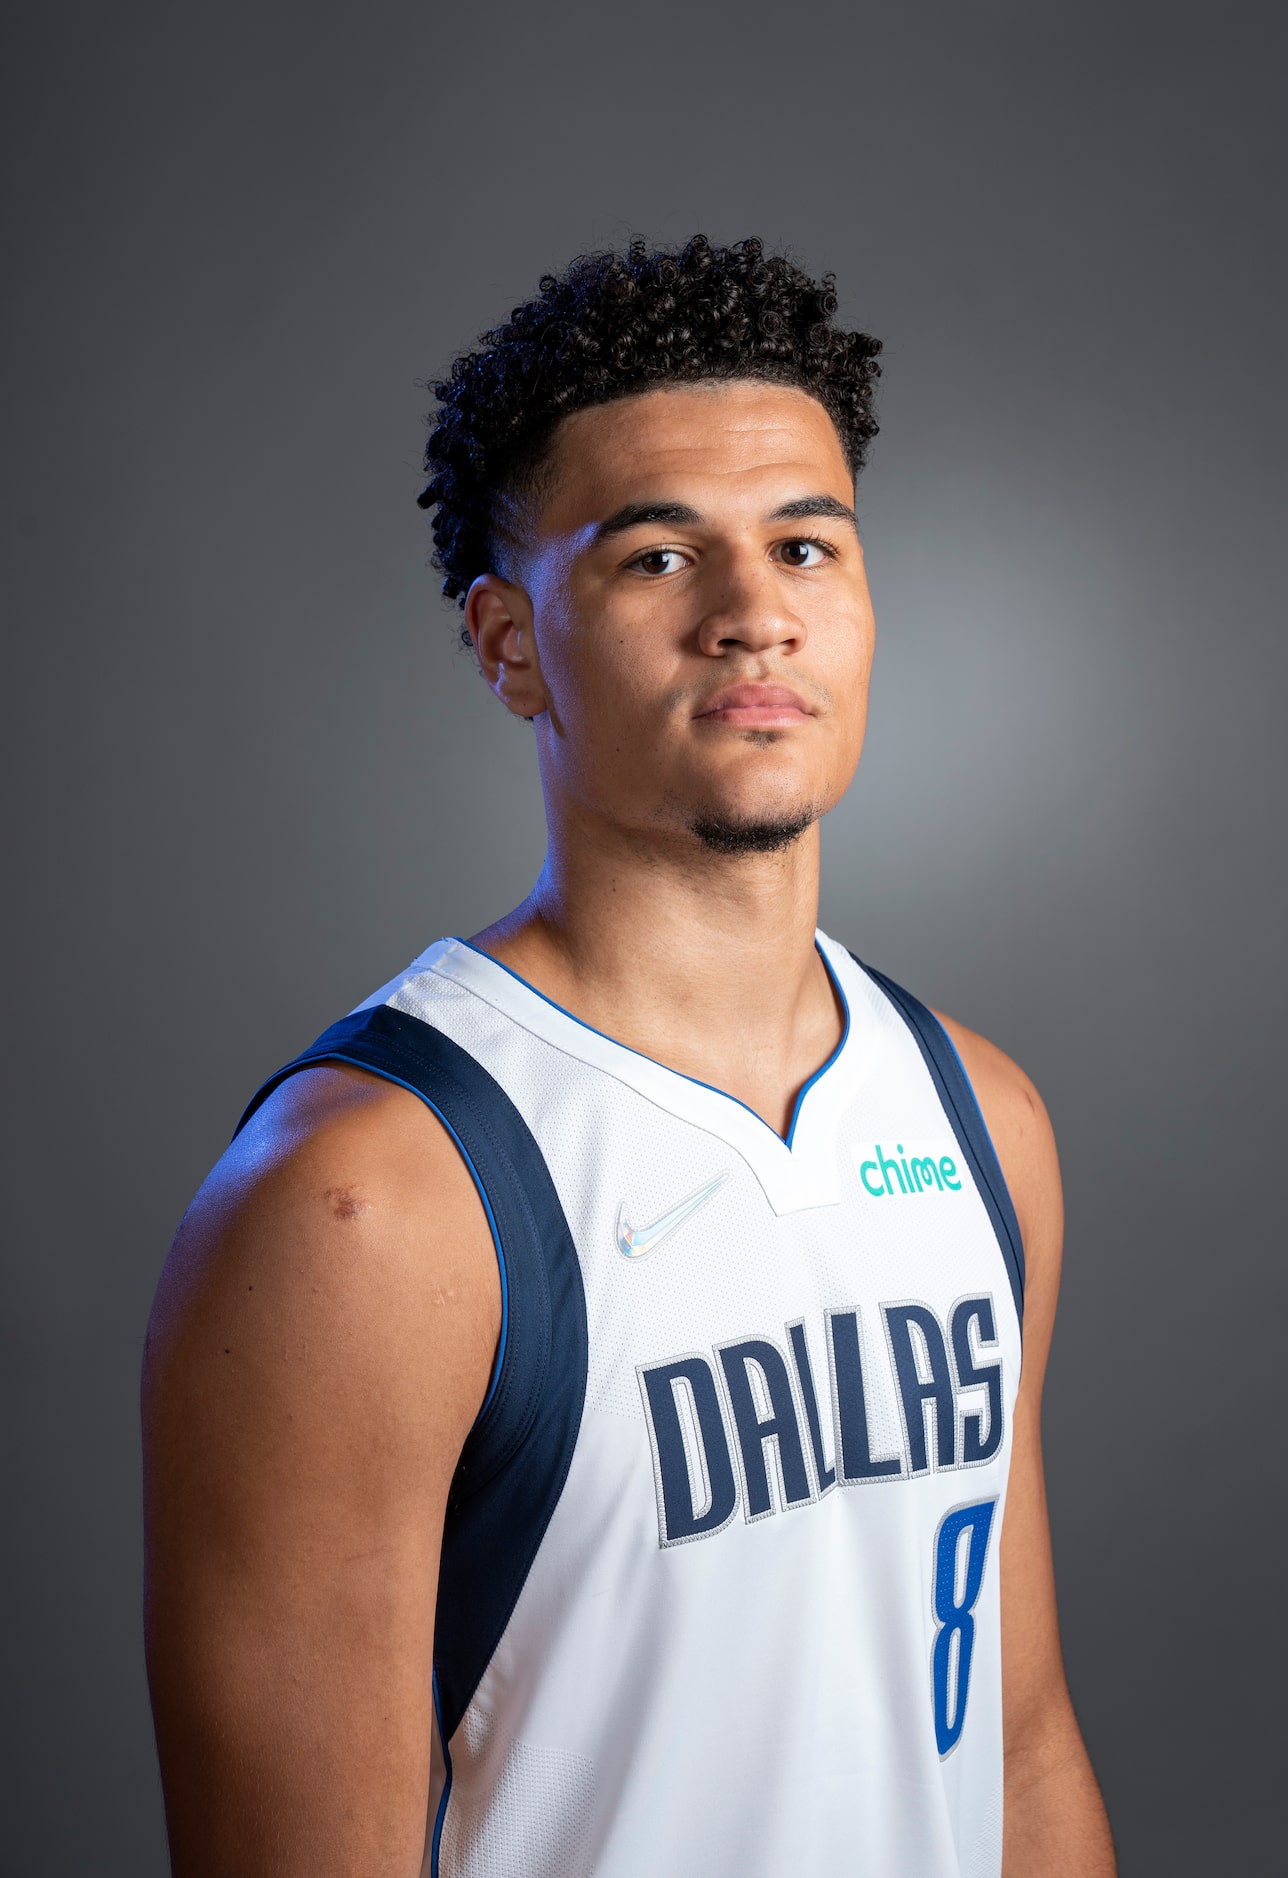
(750, 610)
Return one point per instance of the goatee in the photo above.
(733, 838)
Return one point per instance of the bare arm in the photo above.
(321, 1342)
(1055, 1822)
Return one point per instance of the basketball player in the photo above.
(592, 1408)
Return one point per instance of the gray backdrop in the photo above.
(251, 776)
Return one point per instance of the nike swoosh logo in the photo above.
(634, 1244)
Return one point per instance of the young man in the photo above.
(586, 1430)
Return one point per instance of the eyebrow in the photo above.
(807, 506)
(638, 514)
(680, 515)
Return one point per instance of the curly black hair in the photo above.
(612, 325)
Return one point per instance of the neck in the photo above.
(704, 962)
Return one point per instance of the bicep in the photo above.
(1033, 1685)
(320, 1346)
(1054, 1816)
(1034, 1690)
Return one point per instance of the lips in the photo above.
(755, 707)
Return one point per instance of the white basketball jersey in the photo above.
(719, 1587)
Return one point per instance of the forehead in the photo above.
(740, 442)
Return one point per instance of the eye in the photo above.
(656, 561)
(804, 551)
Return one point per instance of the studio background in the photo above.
(251, 774)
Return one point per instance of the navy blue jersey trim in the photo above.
(958, 1098)
(516, 1458)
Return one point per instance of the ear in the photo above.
(498, 618)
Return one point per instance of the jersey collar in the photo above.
(797, 1173)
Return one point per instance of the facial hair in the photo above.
(727, 837)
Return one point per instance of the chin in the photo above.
(753, 822)
(722, 836)
(761, 806)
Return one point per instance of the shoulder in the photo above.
(1011, 1106)
(320, 1346)
(341, 1222)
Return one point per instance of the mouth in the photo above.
(755, 707)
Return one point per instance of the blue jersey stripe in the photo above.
(963, 1111)
(515, 1461)
(444, 1798)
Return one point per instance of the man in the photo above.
(585, 1423)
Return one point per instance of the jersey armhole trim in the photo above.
(515, 1460)
(318, 1057)
(960, 1104)
(444, 1797)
